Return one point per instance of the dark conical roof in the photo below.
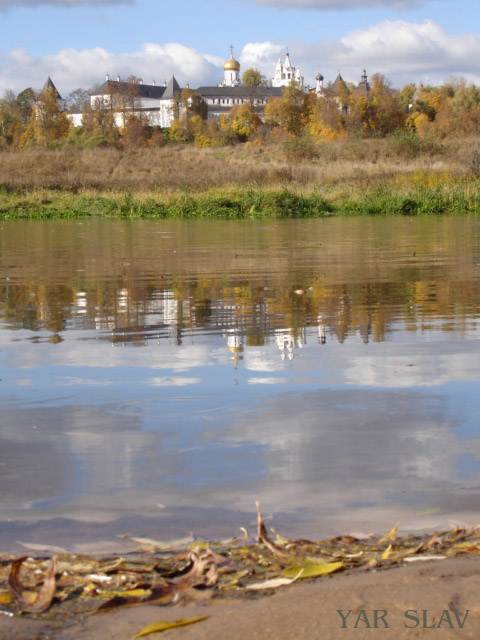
(173, 89)
(339, 83)
(49, 85)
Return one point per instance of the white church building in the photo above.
(286, 73)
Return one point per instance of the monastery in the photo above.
(156, 102)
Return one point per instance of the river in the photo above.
(158, 377)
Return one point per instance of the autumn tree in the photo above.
(377, 113)
(243, 121)
(99, 124)
(47, 123)
(289, 112)
(78, 101)
(325, 122)
(134, 133)
(186, 105)
(253, 78)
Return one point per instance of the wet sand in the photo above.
(304, 611)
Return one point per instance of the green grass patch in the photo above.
(409, 197)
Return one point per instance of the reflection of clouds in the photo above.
(338, 457)
(337, 451)
(267, 381)
(262, 360)
(75, 351)
(415, 370)
(70, 380)
(24, 382)
(173, 382)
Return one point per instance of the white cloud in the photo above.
(73, 68)
(9, 4)
(403, 51)
(398, 47)
(342, 5)
(260, 54)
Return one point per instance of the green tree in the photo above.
(10, 121)
(25, 102)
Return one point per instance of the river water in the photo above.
(158, 377)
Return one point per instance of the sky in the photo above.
(77, 42)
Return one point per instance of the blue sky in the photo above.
(78, 41)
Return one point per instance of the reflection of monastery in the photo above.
(156, 102)
(165, 320)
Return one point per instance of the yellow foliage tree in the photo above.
(243, 121)
(290, 112)
(325, 121)
(47, 123)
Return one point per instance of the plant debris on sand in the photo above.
(67, 586)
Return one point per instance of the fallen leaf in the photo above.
(387, 553)
(158, 627)
(392, 535)
(262, 535)
(280, 541)
(424, 558)
(273, 583)
(46, 594)
(312, 568)
(466, 545)
(5, 597)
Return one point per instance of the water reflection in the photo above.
(328, 368)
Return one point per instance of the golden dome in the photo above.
(231, 64)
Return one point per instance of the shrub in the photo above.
(300, 148)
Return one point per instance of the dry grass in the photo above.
(172, 169)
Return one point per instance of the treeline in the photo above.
(414, 117)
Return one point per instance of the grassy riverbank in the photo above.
(342, 178)
(245, 203)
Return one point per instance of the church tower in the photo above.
(319, 88)
(286, 73)
(231, 70)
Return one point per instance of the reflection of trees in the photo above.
(369, 310)
(137, 288)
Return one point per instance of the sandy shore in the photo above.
(304, 611)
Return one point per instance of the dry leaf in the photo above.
(424, 558)
(158, 627)
(387, 553)
(274, 583)
(392, 535)
(262, 535)
(44, 598)
(312, 568)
